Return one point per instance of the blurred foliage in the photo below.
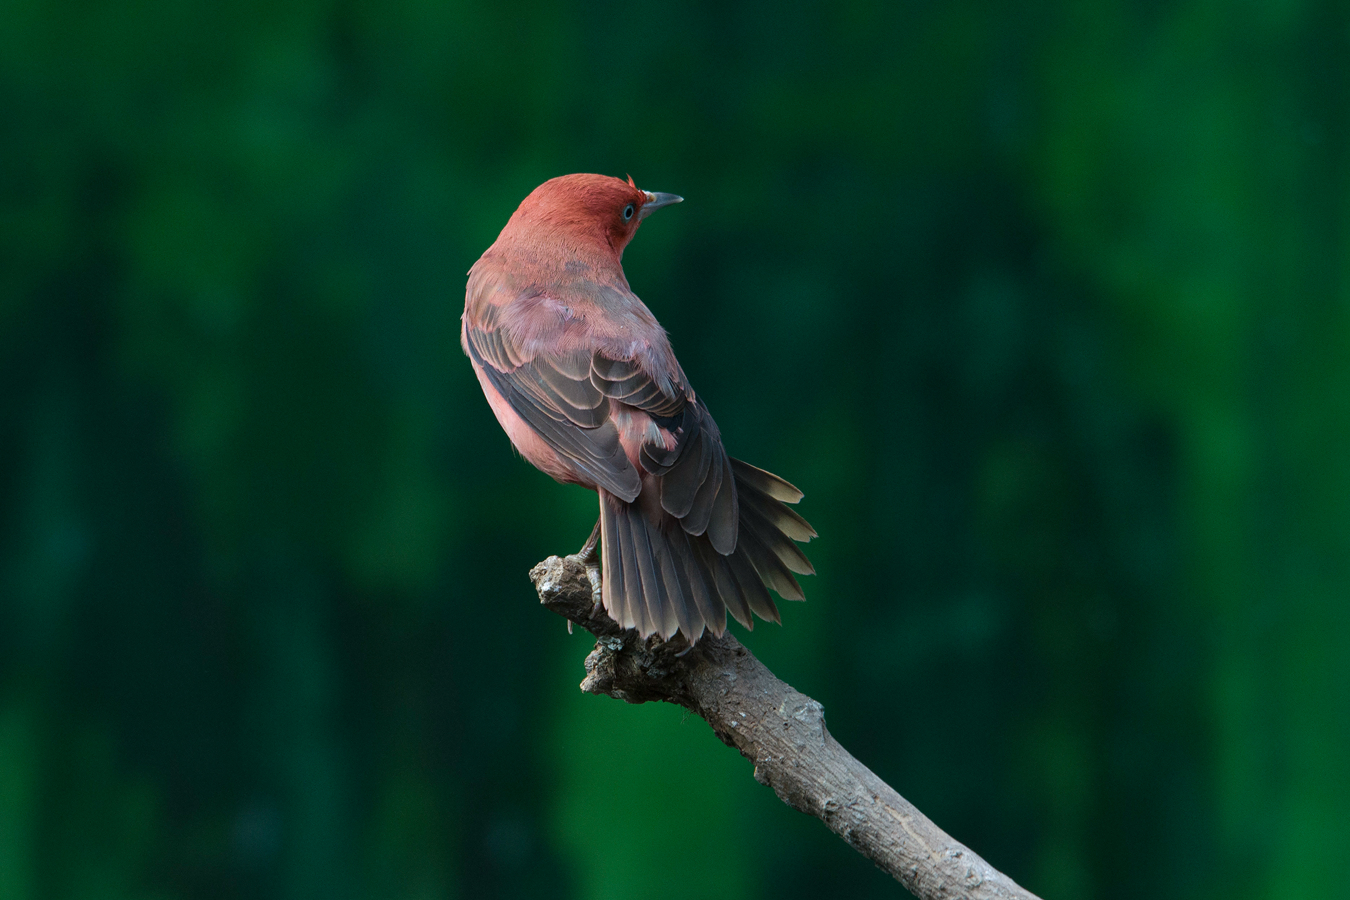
(1046, 306)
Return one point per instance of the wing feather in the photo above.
(570, 415)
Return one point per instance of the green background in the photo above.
(1046, 306)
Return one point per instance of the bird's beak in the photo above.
(655, 201)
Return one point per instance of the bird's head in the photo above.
(588, 209)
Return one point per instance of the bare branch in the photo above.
(782, 732)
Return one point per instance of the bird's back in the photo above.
(583, 379)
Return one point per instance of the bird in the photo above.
(584, 381)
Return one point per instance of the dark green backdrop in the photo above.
(1044, 305)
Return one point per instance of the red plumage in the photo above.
(584, 381)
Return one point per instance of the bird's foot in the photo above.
(591, 563)
(589, 556)
(593, 576)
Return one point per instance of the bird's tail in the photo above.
(660, 579)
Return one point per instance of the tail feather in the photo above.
(613, 537)
(664, 573)
(709, 609)
(765, 482)
(652, 598)
(627, 594)
(771, 570)
(788, 553)
(680, 613)
(779, 517)
(752, 587)
(727, 589)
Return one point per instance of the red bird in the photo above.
(582, 377)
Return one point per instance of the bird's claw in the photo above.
(593, 576)
(591, 562)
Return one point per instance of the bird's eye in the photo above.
(628, 212)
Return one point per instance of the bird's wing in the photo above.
(565, 399)
(555, 397)
(696, 481)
